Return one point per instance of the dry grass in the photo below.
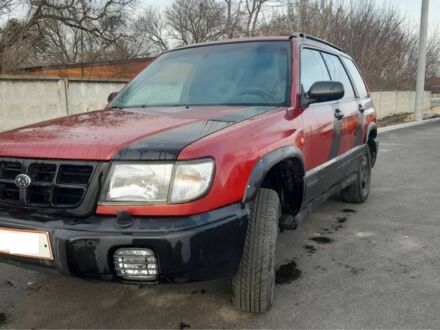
(434, 112)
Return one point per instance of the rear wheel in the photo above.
(253, 286)
(358, 191)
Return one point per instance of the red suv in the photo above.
(192, 168)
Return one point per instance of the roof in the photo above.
(298, 35)
(231, 41)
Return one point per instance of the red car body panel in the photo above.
(234, 163)
(96, 135)
(236, 149)
(53, 173)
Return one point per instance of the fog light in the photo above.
(136, 264)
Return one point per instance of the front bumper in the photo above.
(195, 248)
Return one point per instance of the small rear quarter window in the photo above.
(357, 78)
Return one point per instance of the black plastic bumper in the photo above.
(195, 248)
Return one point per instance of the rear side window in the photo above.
(357, 78)
(313, 68)
(338, 73)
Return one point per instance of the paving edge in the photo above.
(405, 125)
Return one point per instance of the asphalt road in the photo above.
(376, 265)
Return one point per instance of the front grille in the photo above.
(9, 192)
(42, 172)
(38, 195)
(9, 170)
(68, 196)
(75, 174)
(54, 184)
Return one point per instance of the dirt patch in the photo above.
(337, 227)
(9, 283)
(434, 112)
(396, 119)
(400, 118)
(321, 239)
(341, 219)
(288, 273)
(356, 271)
(353, 270)
(3, 318)
(310, 249)
(203, 291)
(184, 326)
(349, 211)
(326, 230)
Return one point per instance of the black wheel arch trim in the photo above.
(372, 142)
(371, 127)
(263, 166)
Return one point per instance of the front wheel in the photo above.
(253, 286)
(358, 191)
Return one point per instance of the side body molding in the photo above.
(263, 166)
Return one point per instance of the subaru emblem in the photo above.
(23, 181)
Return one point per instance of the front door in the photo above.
(318, 118)
(321, 135)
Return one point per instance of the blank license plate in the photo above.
(25, 243)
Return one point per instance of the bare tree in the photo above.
(253, 11)
(69, 31)
(5, 7)
(20, 52)
(100, 20)
(62, 44)
(149, 33)
(234, 17)
(194, 21)
(378, 38)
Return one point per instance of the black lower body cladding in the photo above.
(194, 248)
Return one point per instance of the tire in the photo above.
(358, 191)
(253, 286)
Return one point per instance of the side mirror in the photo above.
(323, 91)
(112, 96)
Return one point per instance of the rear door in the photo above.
(347, 116)
(364, 102)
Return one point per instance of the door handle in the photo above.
(338, 114)
(361, 108)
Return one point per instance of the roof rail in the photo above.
(307, 36)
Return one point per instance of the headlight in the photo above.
(191, 180)
(139, 183)
(155, 183)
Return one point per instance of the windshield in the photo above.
(248, 73)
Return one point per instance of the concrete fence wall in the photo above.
(27, 100)
(388, 103)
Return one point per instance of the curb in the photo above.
(406, 125)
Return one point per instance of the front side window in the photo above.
(251, 73)
(313, 68)
(338, 73)
(357, 78)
